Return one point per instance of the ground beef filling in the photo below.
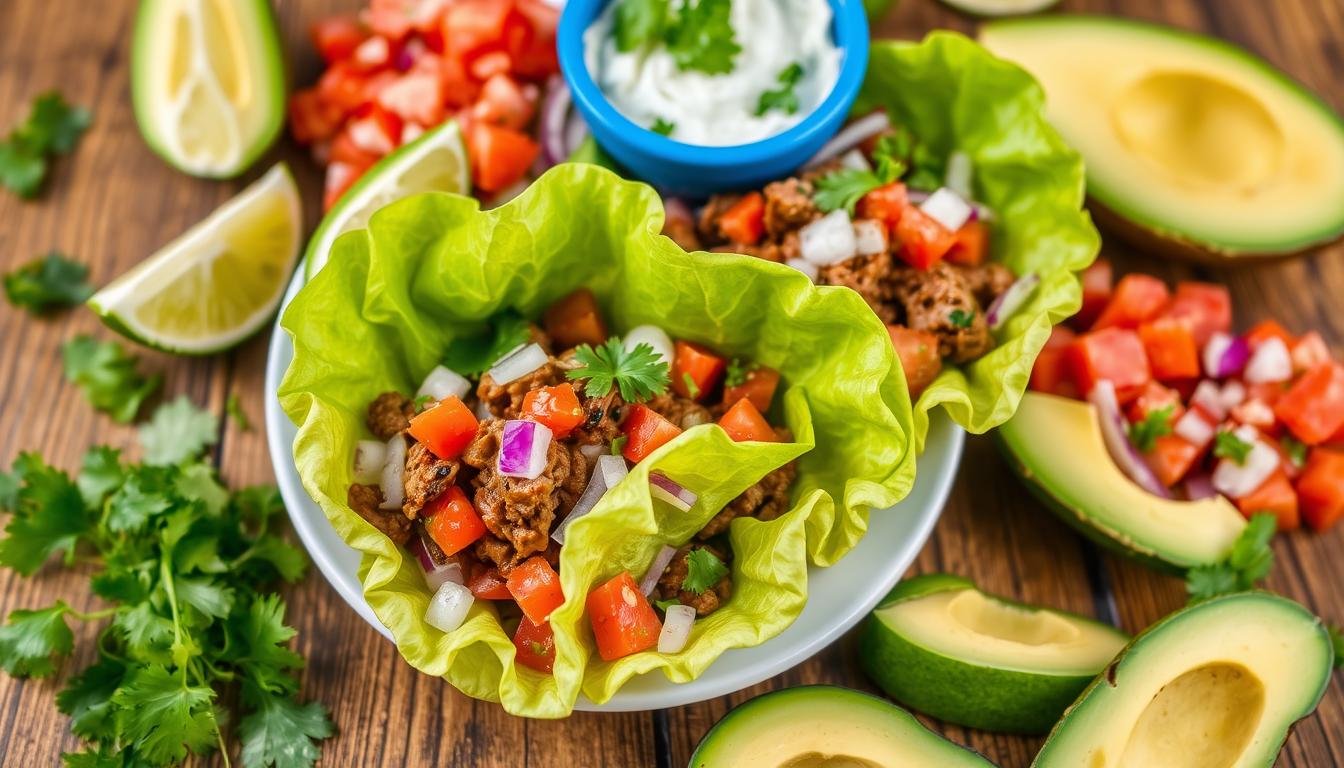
(425, 477)
(506, 401)
(366, 501)
(867, 276)
(940, 301)
(671, 583)
(766, 500)
(389, 413)
(683, 412)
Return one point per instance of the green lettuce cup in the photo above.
(955, 96)
(430, 270)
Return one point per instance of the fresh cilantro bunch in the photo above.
(638, 373)
(1249, 561)
(47, 284)
(108, 376)
(53, 127)
(698, 33)
(185, 568)
(896, 156)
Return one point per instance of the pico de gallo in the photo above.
(481, 471)
(403, 66)
(1198, 409)
(877, 212)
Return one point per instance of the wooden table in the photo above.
(113, 202)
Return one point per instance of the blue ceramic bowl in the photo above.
(694, 171)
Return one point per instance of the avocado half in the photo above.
(1055, 445)
(939, 645)
(825, 725)
(1193, 145)
(1217, 684)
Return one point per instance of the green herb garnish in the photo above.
(639, 23)
(960, 318)
(234, 408)
(638, 373)
(1336, 640)
(843, 189)
(618, 445)
(692, 389)
(1249, 561)
(698, 33)
(178, 431)
(108, 376)
(1296, 450)
(737, 373)
(782, 99)
(421, 402)
(474, 355)
(1226, 445)
(53, 127)
(49, 283)
(663, 605)
(663, 127)
(703, 570)
(1157, 423)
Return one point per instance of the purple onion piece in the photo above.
(1199, 487)
(1007, 304)
(1116, 437)
(1225, 355)
(656, 569)
(851, 136)
(522, 449)
(554, 111)
(665, 488)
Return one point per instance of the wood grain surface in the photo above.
(113, 202)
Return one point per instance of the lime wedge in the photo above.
(207, 82)
(220, 281)
(435, 161)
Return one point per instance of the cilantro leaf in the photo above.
(163, 716)
(31, 640)
(196, 482)
(891, 155)
(692, 389)
(639, 23)
(782, 99)
(1226, 445)
(1296, 450)
(960, 318)
(474, 355)
(108, 376)
(421, 402)
(701, 37)
(87, 699)
(234, 408)
(843, 189)
(178, 431)
(21, 169)
(1157, 423)
(280, 732)
(49, 516)
(140, 498)
(663, 605)
(53, 126)
(1336, 641)
(663, 127)
(703, 570)
(638, 373)
(618, 444)
(49, 283)
(1206, 581)
(737, 373)
(1249, 561)
(100, 474)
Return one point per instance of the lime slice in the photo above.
(435, 161)
(220, 281)
(207, 81)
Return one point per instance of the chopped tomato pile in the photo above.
(1257, 417)
(404, 66)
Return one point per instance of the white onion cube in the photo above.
(449, 607)
(870, 237)
(828, 240)
(947, 208)
(676, 628)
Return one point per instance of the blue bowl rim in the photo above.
(851, 36)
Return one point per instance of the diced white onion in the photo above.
(411, 131)
(613, 469)
(449, 607)
(1236, 480)
(394, 463)
(591, 452)
(828, 240)
(370, 456)
(1255, 413)
(518, 363)
(522, 449)
(1270, 362)
(442, 383)
(1232, 394)
(1194, 429)
(676, 628)
(947, 208)
(609, 471)
(855, 161)
(806, 267)
(372, 52)
(656, 568)
(870, 237)
(959, 174)
(442, 574)
(652, 335)
(1210, 398)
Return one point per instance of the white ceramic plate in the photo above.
(838, 596)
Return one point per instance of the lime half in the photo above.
(437, 161)
(220, 281)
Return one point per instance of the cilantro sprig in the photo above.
(53, 127)
(638, 373)
(961, 318)
(697, 33)
(1226, 445)
(663, 127)
(108, 376)
(782, 99)
(47, 284)
(896, 156)
(1249, 561)
(1157, 423)
(738, 372)
(703, 570)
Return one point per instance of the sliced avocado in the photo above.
(1215, 685)
(940, 646)
(1196, 146)
(1055, 444)
(825, 726)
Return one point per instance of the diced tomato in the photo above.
(575, 320)
(971, 245)
(924, 241)
(337, 37)
(535, 585)
(500, 157)
(1171, 349)
(472, 25)
(489, 584)
(623, 621)
(1266, 330)
(744, 423)
(488, 65)
(758, 385)
(417, 94)
(534, 54)
(1321, 488)
(744, 221)
(372, 54)
(344, 149)
(1256, 413)
(1111, 353)
(1050, 373)
(445, 429)
(1275, 495)
(1309, 351)
(343, 87)
(645, 431)
(1153, 398)
(503, 102)
(340, 177)
(1267, 392)
(374, 130)
(1171, 458)
(1205, 307)
(452, 522)
(396, 18)
(557, 407)
(1313, 408)
(535, 644)
(310, 118)
(918, 353)
(1098, 282)
(886, 203)
(1138, 298)
(696, 370)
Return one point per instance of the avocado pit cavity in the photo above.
(1202, 719)
(992, 618)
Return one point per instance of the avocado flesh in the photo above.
(1055, 443)
(1217, 685)
(940, 646)
(1196, 143)
(823, 726)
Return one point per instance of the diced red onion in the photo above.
(370, 456)
(1225, 355)
(804, 266)
(1199, 487)
(522, 449)
(449, 607)
(947, 208)
(1116, 436)
(1007, 304)
(1210, 398)
(420, 549)
(828, 240)
(851, 136)
(656, 568)
(655, 337)
(1194, 429)
(1232, 394)
(442, 383)
(576, 132)
(436, 572)
(1256, 413)
(855, 161)
(959, 174)
(666, 489)
(519, 362)
(554, 112)
(1270, 362)
(677, 623)
(482, 411)
(609, 471)
(870, 237)
(394, 463)
(373, 52)
(1237, 480)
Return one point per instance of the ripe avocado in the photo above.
(1055, 444)
(943, 647)
(1196, 146)
(1216, 684)
(825, 725)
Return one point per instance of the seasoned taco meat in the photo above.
(506, 401)
(987, 281)
(683, 412)
(867, 276)
(365, 500)
(674, 577)
(788, 207)
(389, 413)
(710, 215)
(766, 500)
(426, 477)
(940, 301)
(679, 224)
(602, 419)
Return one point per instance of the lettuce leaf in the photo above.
(431, 269)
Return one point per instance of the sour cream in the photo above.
(648, 87)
